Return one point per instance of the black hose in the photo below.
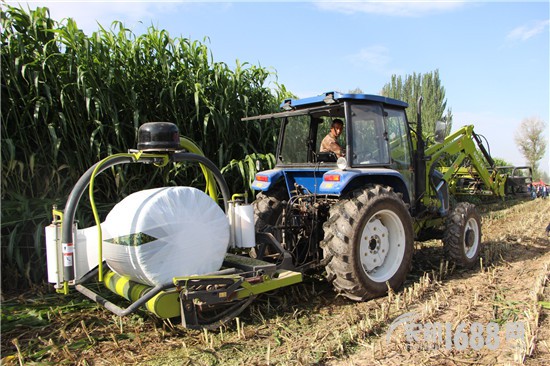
(70, 210)
(484, 151)
(116, 309)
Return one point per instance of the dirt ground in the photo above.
(494, 314)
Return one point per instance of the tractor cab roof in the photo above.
(337, 97)
(293, 107)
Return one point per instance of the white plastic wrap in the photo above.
(154, 235)
(86, 250)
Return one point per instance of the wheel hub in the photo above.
(469, 238)
(375, 245)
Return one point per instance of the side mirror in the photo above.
(440, 131)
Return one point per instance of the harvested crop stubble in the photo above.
(306, 324)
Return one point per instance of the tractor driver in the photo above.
(330, 142)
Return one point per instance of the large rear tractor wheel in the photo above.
(462, 239)
(268, 212)
(368, 243)
(268, 208)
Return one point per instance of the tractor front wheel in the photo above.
(462, 238)
(368, 243)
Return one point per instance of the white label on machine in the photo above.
(68, 251)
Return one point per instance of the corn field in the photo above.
(69, 100)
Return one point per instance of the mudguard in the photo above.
(323, 181)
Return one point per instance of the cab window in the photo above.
(397, 129)
(369, 143)
(294, 148)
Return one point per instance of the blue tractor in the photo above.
(358, 214)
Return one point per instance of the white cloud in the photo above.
(376, 59)
(88, 14)
(377, 56)
(524, 32)
(390, 8)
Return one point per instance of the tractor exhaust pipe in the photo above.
(420, 161)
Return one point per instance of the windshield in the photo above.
(303, 136)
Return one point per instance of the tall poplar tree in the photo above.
(434, 106)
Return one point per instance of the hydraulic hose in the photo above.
(180, 157)
(190, 146)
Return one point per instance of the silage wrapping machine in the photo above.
(172, 250)
(175, 251)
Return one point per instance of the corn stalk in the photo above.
(69, 100)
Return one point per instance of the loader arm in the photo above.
(464, 144)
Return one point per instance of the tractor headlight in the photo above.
(342, 163)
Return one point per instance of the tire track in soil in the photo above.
(516, 257)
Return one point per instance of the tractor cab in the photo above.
(375, 143)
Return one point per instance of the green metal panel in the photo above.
(281, 278)
(164, 305)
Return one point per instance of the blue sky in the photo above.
(493, 57)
